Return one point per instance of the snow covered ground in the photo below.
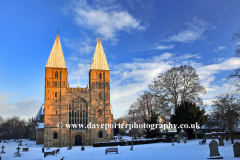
(191, 151)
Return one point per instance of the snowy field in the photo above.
(191, 151)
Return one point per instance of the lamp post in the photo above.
(132, 112)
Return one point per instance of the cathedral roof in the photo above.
(56, 58)
(99, 61)
(40, 112)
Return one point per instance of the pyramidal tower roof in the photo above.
(99, 61)
(56, 58)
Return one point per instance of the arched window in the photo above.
(55, 135)
(99, 84)
(56, 112)
(78, 113)
(55, 94)
(99, 111)
(56, 84)
(100, 76)
(56, 74)
(100, 134)
(100, 96)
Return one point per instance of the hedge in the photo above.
(124, 143)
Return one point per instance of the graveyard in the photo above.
(190, 150)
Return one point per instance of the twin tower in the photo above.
(68, 111)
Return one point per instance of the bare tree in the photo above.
(147, 106)
(227, 108)
(177, 85)
(1, 120)
(236, 73)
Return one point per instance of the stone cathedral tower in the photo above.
(77, 107)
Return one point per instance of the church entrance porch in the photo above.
(78, 140)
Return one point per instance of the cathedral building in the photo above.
(68, 111)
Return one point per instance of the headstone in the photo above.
(126, 142)
(178, 141)
(42, 150)
(20, 143)
(17, 154)
(221, 141)
(236, 149)
(185, 141)
(3, 149)
(172, 143)
(25, 149)
(18, 149)
(214, 153)
(7, 142)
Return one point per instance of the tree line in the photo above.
(14, 127)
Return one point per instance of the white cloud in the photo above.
(24, 109)
(194, 32)
(82, 72)
(109, 17)
(208, 70)
(80, 46)
(187, 56)
(219, 48)
(161, 47)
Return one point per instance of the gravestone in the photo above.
(172, 143)
(185, 141)
(126, 142)
(214, 153)
(17, 154)
(221, 141)
(236, 149)
(3, 149)
(178, 141)
(18, 149)
(20, 143)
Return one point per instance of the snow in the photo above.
(182, 151)
(40, 126)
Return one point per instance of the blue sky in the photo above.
(140, 38)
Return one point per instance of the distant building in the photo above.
(37, 127)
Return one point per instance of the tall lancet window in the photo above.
(56, 74)
(78, 114)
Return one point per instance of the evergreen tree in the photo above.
(153, 120)
(188, 113)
